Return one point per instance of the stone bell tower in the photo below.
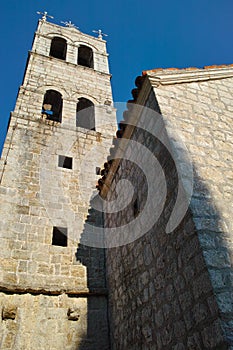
(52, 285)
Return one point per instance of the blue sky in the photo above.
(141, 35)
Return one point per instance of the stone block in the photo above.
(212, 336)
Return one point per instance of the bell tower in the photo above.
(52, 285)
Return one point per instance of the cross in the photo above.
(100, 33)
(69, 24)
(44, 15)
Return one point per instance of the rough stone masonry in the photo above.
(174, 290)
(166, 290)
(52, 287)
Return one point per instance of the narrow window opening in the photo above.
(65, 162)
(97, 170)
(85, 56)
(52, 105)
(58, 48)
(85, 114)
(59, 236)
(136, 208)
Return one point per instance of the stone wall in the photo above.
(52, 322)
(74, 38)
(174, 290)
(202, 115)
(73, 81)
(37, 195)
(46, 282)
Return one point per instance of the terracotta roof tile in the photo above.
(145, 72)
(218, 66)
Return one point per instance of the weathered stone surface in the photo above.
(189, 287)
(166, 291)
(41, 322)
(37, 194)
(73, 314)
(9, 312)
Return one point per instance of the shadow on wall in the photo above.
(165, 290)
(97, 333)
(172, 291)
(159, 286)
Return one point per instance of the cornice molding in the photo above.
(184, 76)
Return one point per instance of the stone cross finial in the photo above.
(69, 24)
(100, 33)
(44, 15)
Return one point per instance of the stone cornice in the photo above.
(168, 77)
(82, 292)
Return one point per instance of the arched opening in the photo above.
(85, 56)
(52, 105)
(58, 48)
(85, 114)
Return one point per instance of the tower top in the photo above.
(67, 25)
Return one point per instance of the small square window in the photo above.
(65, 162)
(59, 236)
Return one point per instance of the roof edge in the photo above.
(187, 75)
(180, 70)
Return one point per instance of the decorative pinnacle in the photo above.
(69, 24)
(100, 33)
(44, 15)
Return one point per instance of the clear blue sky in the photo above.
(142, 35)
